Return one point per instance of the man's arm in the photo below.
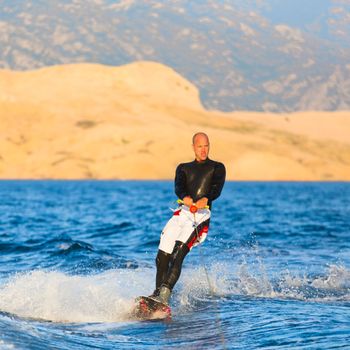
(180, 182)
(218, 181)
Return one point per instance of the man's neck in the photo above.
(201, 161)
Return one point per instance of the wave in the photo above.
(221, 280)
(108, 296)
(58, 297)
(66, 254)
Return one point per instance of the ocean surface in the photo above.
(274, 272)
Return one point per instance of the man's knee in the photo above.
(178, 255)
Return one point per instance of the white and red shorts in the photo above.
(188, 228)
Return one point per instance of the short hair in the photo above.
(197, 134)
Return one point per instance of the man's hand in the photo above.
(202, 203)
(188, 201)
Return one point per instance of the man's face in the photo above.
(201, 148)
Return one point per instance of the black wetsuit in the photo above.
(197, 180)
(200, 179)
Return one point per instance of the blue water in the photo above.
(274, 272)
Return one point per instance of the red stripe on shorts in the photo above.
(197, 237)
(177, 212)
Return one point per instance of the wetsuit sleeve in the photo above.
(217, 182)
(180, 182)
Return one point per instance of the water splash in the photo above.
(55, 296)
(108, 297)
(253, 280)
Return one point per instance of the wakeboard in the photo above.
(147, 308)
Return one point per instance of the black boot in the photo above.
(164, 295)
(162, 263)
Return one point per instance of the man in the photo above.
(197, 184)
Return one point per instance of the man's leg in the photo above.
(166, 247)
(162, 264)
(190, 236)
(177, 257)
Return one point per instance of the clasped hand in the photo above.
(200, 204)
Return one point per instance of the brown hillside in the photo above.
(136, 122)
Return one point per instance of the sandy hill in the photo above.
(136, 122)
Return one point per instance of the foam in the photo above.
(226, 280)
(55, 296)
(4, 345)
(108, 297)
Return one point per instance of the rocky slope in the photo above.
(273, 55)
